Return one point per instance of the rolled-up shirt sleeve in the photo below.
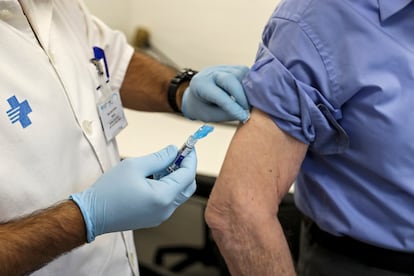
(293, 83)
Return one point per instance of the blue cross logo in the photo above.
(19, 111)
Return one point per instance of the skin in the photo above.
(28, 243)
(261, 164)
(146, 84)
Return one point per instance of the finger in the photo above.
(190, 161)
(239, 71)
(185, 175)
(157, 161)
(233, 87)
(226, 106)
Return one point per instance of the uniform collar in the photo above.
(39, 13)
(390, 7)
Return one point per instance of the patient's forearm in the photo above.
(259, 248)
(29, 243)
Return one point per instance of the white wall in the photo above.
(116, 16)
(193, 33)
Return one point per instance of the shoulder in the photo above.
(317, 13)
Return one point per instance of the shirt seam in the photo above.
(320, 49)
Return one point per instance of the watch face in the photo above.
(187, 74)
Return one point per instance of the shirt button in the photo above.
(87, 127)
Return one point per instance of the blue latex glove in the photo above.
(216, 94)
(125, 199)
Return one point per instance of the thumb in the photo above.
(185, 101)
(157, 161)
(186, 193)
(233, 87)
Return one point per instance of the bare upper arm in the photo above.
(260, 166)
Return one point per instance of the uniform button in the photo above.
(52, 56)
(131, 257)
(5, 14)
(87, 127)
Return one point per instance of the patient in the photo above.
(331, 92)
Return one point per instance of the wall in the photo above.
(193, 33)
(116, 16)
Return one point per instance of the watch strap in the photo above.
(183, 76)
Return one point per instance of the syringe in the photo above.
(188, 146)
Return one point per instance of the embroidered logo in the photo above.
(19, 111)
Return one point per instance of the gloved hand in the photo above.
(216, 94)
(125, 199)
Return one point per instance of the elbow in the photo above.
(217, 221)
(225, 221)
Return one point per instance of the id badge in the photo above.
(112, 115)
(110, 109)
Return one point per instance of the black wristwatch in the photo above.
(185, 75)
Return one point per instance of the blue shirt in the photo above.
(339, 76)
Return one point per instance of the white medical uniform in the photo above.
(55, 144)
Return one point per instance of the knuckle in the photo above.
(163, 201)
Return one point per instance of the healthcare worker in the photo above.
(62, 74)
